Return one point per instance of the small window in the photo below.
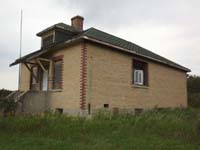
(140, 73)
(47, 41)
(89, 108)
(59, 110)
(160, 109)
(138, 111)
(57, 74)
(106, 105)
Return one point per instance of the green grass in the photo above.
(153, 130)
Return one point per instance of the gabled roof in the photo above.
(104, 38)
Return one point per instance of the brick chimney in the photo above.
(77, 22)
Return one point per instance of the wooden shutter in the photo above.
(47, 41)
(57, 74)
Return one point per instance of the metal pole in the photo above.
(20, 51)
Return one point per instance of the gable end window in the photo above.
(57, 73)
(47, 41)
(140, 73)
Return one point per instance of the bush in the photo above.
(194, 100)
(193, 88)
(7, 106)
(4, 92)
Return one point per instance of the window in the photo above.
(57, 74)
(140, 73)
(47, 41)
(106, 105)
(59, 110)
(89, 108)
(138, 111)
(139, 77)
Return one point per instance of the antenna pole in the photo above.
(20, 50)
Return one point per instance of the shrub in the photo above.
(8, 106)
(193, 88)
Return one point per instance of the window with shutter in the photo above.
(47, 41)
(57, 74)
(140, 73)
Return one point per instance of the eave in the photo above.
(134, 53)
(41, 52)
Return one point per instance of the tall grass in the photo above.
(177, 124)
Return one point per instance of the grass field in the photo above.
(153, 130)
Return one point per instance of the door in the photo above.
(45, 81)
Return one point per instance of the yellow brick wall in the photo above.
(69, 97)
(25, 78)
(110, 82)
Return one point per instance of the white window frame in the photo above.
(139, 77)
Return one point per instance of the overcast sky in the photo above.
(170, 28)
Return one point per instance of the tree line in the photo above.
(193, 88)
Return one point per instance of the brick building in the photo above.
(80, 71)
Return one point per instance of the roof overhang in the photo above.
(41, 52)
(134, 53)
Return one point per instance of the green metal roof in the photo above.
(116, 41)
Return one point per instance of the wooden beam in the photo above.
(44, 59)
(31, 63)
(40, 64)
(31, 71)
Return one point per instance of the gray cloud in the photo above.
(169, 28)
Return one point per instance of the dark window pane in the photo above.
(138, 111)
(106, 105)
(59, 110)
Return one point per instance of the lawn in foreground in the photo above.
(148, 142)
(153, 130)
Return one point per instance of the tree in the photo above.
(193, 88)
(7, 105)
